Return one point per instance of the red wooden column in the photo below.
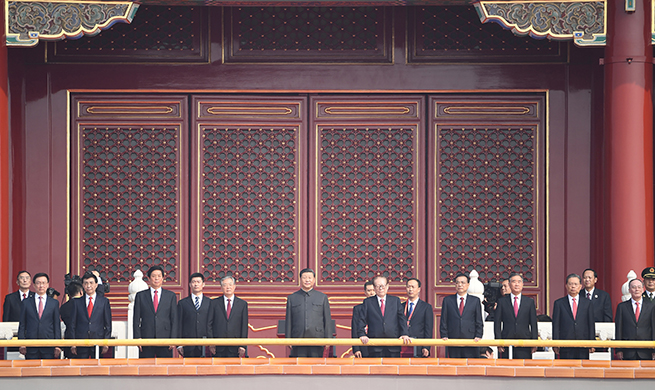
(4, 159)
(628, 143)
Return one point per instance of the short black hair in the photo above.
(369, 283)
(89, 275)
(22, 272)
(155, 268)
(196, 275)
(74, 288)
(460, 274)
(41, 275)
(304, 271)
(592, 270)
(417, 281)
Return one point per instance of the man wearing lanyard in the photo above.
(420, 319)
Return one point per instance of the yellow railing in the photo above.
(346, 342)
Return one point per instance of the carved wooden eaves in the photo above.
(582, 21)
(29, 21)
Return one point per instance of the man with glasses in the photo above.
(384, 316)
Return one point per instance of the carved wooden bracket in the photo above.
(581, 21)
(29, 21)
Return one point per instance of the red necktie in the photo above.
(516, 306)
(637, 311)
(461, 306)
(382, 306)
(24, 295)
(155, 301)
(89, 308)
(40, 307)
(229, 308)
(575, 308)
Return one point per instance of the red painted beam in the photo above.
(628, 142)
(4, 160)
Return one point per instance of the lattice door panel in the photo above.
(366, 192)
(487, 212)
(249, 192)
(129, 209)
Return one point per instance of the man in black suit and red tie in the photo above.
(384, 316)
(155, 315)
(358, 350)
(635, 320)
(230, 319)
(11, 305)
(420, 318)
(39, 319)
(91, 317)
(600, 300)
(461, 318)
(195, 315)
(516, 319)
(573, 319)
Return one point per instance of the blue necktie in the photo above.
(411, 308)
(197, 303)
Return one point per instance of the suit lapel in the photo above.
(221, 306)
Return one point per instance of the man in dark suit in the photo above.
(420, 318)
(155, 314)
(91, 317)
(635, 321)
(39, 319)
(600, 300)
(461, 318)
(74, 290)
(195, 315)
(11, 305)
(384, 316)
(516, 318)
(573, 319)
(308, 316)
(358, 350)
(648, 274)
(230, 319)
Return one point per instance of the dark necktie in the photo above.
(229, 308)
(461, 306)
(197, 303)
(24, 295)
(411, 309)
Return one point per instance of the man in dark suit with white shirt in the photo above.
(39, 319)
(308, 316)
(461, 318)
(91, 317)
(230, 318)
(11, 305)
(635, 320)
(359, 350)
(195, 315)
(420, 318)
(383, 314)
(573, 319)
(516, 319)
(155, 315)
(600, 300)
